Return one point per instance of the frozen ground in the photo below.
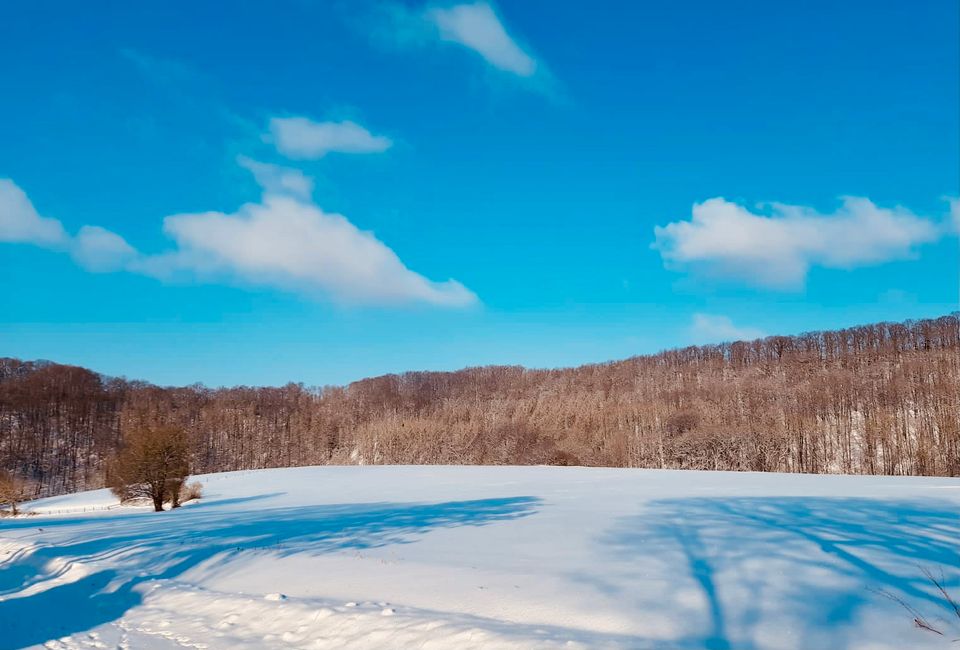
(489, 557)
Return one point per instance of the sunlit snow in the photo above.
(489, 557)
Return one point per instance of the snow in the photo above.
(489, 557)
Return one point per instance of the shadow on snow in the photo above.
(155, 546)
(808, 564)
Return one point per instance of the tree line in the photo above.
(874, 399)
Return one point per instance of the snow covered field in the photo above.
(489, 557)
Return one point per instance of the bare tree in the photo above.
(153, 463)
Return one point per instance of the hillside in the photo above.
(876, 399)
(489, 557)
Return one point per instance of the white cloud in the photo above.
(284, 241)
(955, 213)
(302, 138)
(777, 250)
(289, 242)
(277, 179)
(93, 247)
(474, 26)
(20, 223)
(711, 328)
(477, 27)
(100, 250)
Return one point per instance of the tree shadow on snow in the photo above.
(807, 565)
(152, 546)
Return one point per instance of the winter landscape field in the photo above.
(490, 557)
(480, 325)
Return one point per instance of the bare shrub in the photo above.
(191, 491)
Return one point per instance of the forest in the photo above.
(872, 399)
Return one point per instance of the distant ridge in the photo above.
(874, 399)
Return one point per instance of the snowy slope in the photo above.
(489, 557)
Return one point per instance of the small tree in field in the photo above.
(12, 492)
(153, 463)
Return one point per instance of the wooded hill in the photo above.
(875, 399)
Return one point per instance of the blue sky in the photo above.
(321, 191)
